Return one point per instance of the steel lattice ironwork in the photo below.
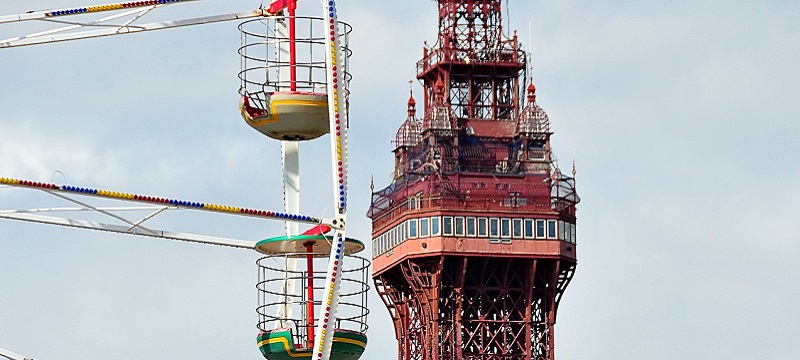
(454, 307)
(474, 239)
(480, 66)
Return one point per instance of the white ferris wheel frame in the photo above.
(337, 109)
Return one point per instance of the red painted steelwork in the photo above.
(310, 291)
(480, 152)
(292, 6)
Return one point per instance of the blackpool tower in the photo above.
(474, 238)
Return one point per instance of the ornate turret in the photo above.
(533, 132)
(408, 136)
(533, 120)
(440, 116)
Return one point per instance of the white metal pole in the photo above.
(11, 355)
(291, 193)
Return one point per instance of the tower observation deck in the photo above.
(474, 239)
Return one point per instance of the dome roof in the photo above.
(410, 133)
(533, 119)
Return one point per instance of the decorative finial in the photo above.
(573, 169)
(531, 92)
(372, 183)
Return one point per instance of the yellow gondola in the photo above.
(287, 115)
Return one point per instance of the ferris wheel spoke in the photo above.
(105, 26)
(336, 62)
(56, 13)
(337, 107)
(67, 191)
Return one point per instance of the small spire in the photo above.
(412, 104)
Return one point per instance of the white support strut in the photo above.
(11, 355)
(291, 193)
(92, 225)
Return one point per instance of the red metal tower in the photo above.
(474, 239)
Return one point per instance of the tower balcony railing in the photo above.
(467, 57)
(475, 200)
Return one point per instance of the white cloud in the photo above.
(27, 154)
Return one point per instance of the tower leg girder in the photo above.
(462, 307)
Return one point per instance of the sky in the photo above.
(681, 117)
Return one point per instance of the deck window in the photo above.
(412, 228)
(540, 229)
(517, 228)
(459, 226)
(529, 229)
(567, 232)
(494, 227)
(436, 229)
(552, 231)
(483, 224)
(447, 225)
(505, 228)
(383, 241)
(573, 239)
(471, 231)
(424, 230)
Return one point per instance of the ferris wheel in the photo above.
(294, 80)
